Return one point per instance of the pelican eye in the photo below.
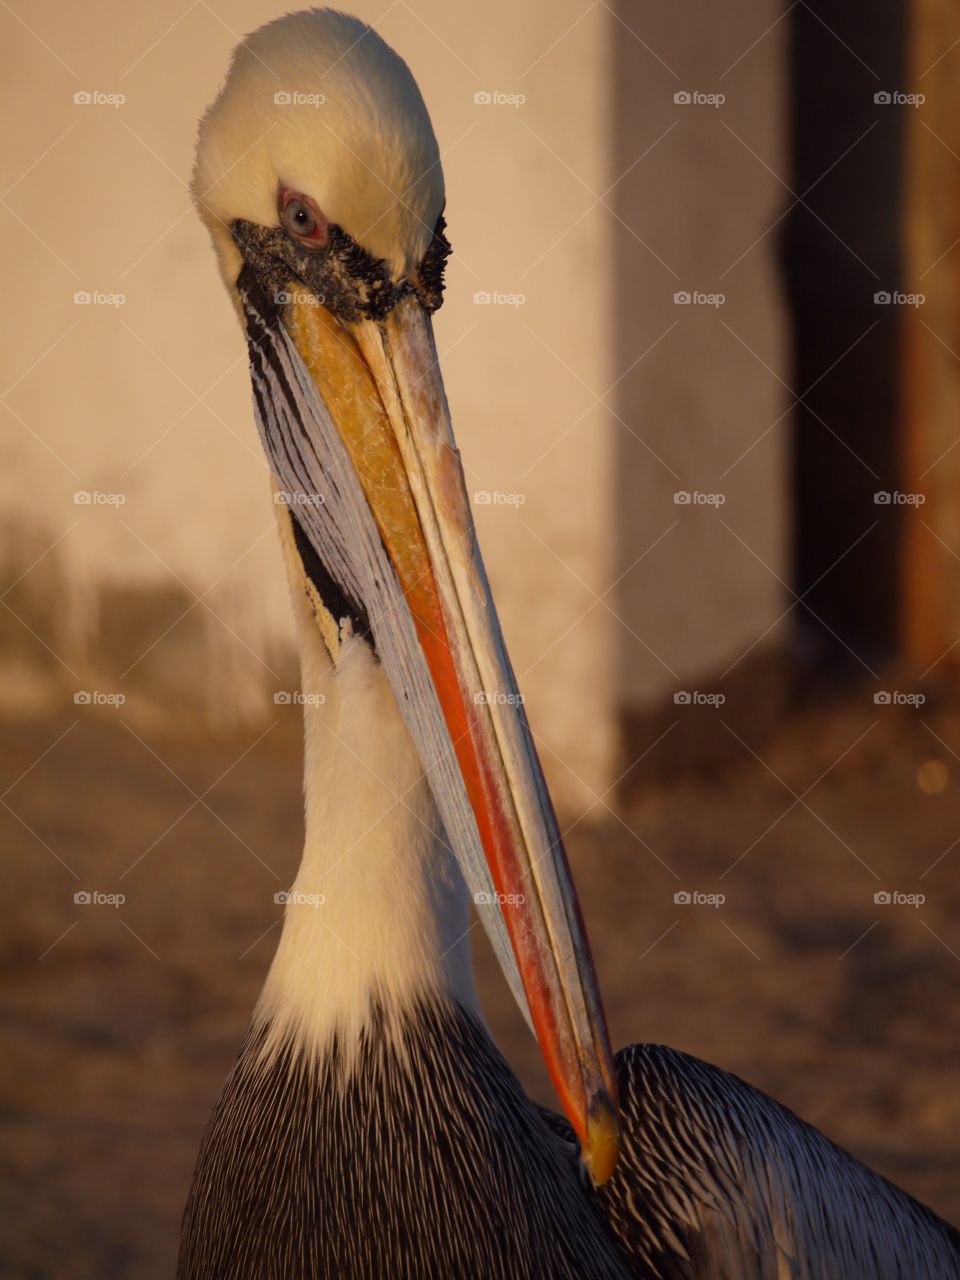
(301, 216)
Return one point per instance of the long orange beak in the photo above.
(355, 422)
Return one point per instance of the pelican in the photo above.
(370, 1128)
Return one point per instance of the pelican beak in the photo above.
(354, 420)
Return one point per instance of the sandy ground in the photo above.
(119, 1023)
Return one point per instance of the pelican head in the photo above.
(319, 177)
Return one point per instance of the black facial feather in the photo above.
(343, 276)
(433, 266)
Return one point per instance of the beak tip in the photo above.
(601, 1150)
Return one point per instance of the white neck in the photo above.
(379, 909)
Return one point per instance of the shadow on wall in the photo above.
(756, 219)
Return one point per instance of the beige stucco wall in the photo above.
(149, 399)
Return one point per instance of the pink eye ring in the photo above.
(302, 217)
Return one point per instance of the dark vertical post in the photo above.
(841, 257)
